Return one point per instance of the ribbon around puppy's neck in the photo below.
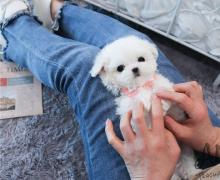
(147, 85)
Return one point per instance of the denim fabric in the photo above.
(63, 63)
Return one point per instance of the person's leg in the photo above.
(64, 65)
(89, 26)
(98, 29)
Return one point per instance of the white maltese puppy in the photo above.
(128, 68)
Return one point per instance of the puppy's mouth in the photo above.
(139, 80)
(137, 74)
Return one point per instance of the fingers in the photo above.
(126, 129)
(139, 121)
(171, 138)
(172, 142)
(157, 115)
(112, 138)
(182, 100)
(192, 89)
(177, 129)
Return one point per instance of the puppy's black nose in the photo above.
(135, 70)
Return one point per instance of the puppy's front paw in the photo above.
(147, 106)
(177, 113)
(165, 106)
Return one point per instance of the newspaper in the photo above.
(20, 92)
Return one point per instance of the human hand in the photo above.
(147, 153)
(197, 131)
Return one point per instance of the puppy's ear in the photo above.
(97, 69)
(98, 66)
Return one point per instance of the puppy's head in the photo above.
(126, 63)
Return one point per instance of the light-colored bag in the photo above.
(134, 7)
(159, 13)
(157, 8)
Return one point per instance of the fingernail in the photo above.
(167, 118)
(107, 122)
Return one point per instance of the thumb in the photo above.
(172, 142)
(179, 130)
(112, 138)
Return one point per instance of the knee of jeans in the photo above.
(79, 69)
(88, 58)
(88, 61)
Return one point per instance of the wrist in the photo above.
(216, 143)
(153, 176)
(159, 175)
(212, 147)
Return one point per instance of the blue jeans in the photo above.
(63, 63)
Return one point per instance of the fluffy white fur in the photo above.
(126, 52)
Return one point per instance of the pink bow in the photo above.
(148, 85)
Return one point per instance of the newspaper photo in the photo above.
(20, 92)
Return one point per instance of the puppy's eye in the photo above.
(141, 59)
(120, 68)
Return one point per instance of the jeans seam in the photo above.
(84, 129)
